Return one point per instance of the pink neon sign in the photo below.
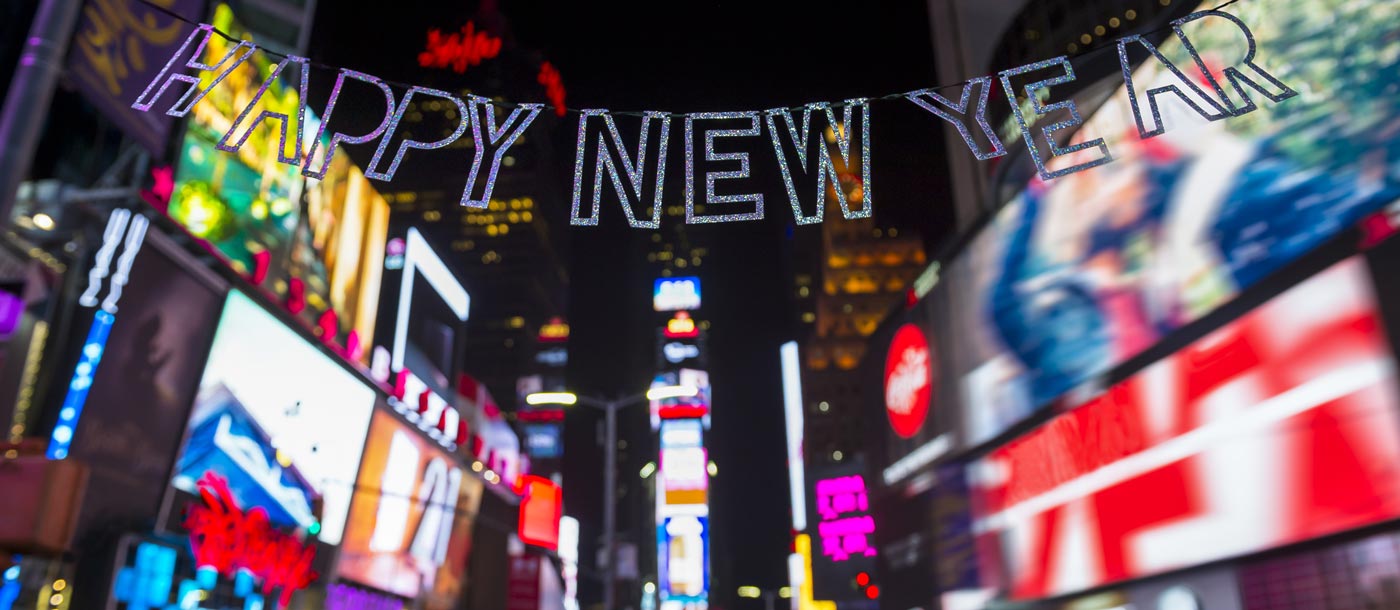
(846, 528)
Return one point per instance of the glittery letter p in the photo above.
(190, 56)
(337, 138)
(1048, 131)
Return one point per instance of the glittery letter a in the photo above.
(337, 138)
(501, 136)
(1276, 91)
(801, 137)
(1048, 131)
(961, 114)
(631, 192)
(190, 57)
(304, 67)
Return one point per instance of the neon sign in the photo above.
(557, 330)
(553, 87)
(541, 506)
(681, 327)
(671, 294)
(459, 51)
(844, 536)
(229, 540)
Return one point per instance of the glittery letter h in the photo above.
(631, 192)
(190, 57)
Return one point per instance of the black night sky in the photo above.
(699, 56)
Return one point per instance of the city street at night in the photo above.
(522, 305)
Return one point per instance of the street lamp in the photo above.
(610, 408)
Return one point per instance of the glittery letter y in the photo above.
(1048, 131)
(961, 114)
(801, 136)
(190, 57)
(631, 193)
(502, 136)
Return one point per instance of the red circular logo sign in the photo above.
(908, 380)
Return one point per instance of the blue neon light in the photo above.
(67, 426)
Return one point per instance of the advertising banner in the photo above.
(1279, 427)
(410, 529)
(118, 48)
(139, 399)
(278, 419)
(684, 558)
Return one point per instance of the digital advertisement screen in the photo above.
(682, 407)
(279, 420)
(684, 558)
(136, 408)
(1079, 274)
(246, 205)
(676, 293)
(1279, 427)
(338, 250)
(410, 529)
(683, 461)
(842, 525)
(1361, 573)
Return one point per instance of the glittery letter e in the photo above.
(1048, 131)
(632, 192)
(754, 129)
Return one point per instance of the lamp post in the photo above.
(610, 409)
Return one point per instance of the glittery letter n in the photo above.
(190, 57)
(373, 170)
(304, 67)
(1048, 131)
(502, 136)
(961, 114)
(802, 136)
(712, 177)
(1238, 79)
(631, 192)
(337, 138)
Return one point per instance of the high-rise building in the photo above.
(845, 280)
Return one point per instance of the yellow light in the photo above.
(664, 392)
(284, 459)
(712, 469)
(56, 599)
(551, 398)
(60, 584)
(749, 592)
(648, 470)
(785, 592)
(44, 221)
(477, 467)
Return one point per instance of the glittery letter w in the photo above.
(801, 137)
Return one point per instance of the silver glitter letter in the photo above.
(711, 178)
(1190, 95)
(295, 159)
(372, 172)
(959, 114)
(502, 136)
(609, 158)
(826, 171)
(1048, 131)
(172, 73)
(339, 137)
(1237, 78)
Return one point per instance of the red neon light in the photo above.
(908, 381)
(690, 411)
(296, 295)
(228, 539)
(862, 579)
(542, 415)
(262, 260)
(873, 592)
(553, 87)
(541, 507)
(459, 51)
(681, 327)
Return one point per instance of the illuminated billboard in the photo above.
(279, 420)
(683, 462)
(410, 528)
(1279, 427)
(684, 567)
(676, 293)
(842, 531)
(1077, 275)
(682, 407)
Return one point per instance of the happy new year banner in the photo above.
(806, 141)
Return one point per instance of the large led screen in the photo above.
(1078, 274)
(684, 558)
(1279, 427)
(282, 422)
(410, 529)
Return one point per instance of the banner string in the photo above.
(638, 113)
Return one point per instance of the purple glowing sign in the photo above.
(846, 527)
